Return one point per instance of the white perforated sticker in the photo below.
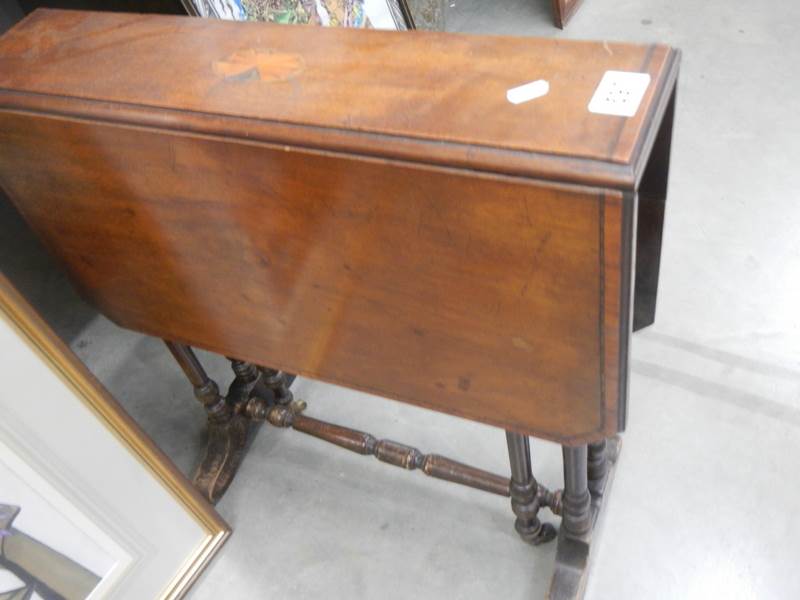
(619, 93)
(529, 91)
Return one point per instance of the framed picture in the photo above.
(377, 14)
(89, 507)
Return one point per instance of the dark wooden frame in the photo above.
(563, 11)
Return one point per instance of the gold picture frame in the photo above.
(36, 335)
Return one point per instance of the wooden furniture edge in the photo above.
(562, 17)
(610, 422)
(549, 167)
(666, 88)
(596, 177)
(613, 171)
(490, 159)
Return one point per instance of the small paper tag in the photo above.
(528, 91)
(619, 93)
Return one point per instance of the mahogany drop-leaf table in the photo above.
(469, 224)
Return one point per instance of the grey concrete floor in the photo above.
(705, 502)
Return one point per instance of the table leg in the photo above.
(652, 200)
(576, 518)
(278, 382)
(525, 492)
(597, 467)
(228, 423)
(588, 472)
(227, 430)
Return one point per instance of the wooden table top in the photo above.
(392, 94)
(337, 203)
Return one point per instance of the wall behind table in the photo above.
(173, 7)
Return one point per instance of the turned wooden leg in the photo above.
(525, 492)
(574, 537)
(597, 468)
(588, 472)
(576, 511)
(278, 382)
(227, 430)
(228, 423)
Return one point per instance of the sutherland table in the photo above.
(364, 208)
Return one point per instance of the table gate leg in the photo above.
(524, 493)
(572, 554)
(587, 477)
(278, 382)
(227, 430)
(597, 468)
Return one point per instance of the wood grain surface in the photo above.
(164, 187)
(391, 94)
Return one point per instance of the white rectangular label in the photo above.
(528, 91)
(619, 93)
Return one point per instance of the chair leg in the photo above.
(524, 493)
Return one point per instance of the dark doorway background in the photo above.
(23, 260)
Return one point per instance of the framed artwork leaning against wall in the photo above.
(377, 14)
(89, 507)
